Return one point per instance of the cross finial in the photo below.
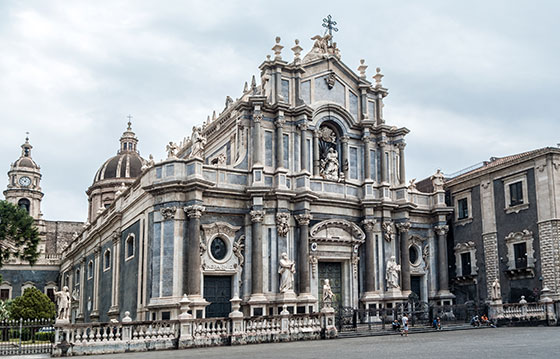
(26, 136)
(129, 122)
(329, 24)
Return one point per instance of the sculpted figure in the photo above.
(437, 181)
(286, 270)
(327, 294)
(63, 301)
(496, 289)
(329, 165)
(392, 273)
(171, 149)
(198, 142)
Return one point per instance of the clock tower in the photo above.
(24, 186)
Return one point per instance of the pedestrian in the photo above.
(396, 325)
(404, 325)
(438, 323)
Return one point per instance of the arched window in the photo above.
(107, 260)
(77, 281)
(129, 247)
(27, 285)
(25, 204)
(90, 270)
(330, 151)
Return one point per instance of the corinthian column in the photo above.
(316, 155)
(383, 166)
(402, 175)
(405, 259)
(303, 253)
(370, 255)
(94, 315)
(194, 212)
(257, 147)
(367, 160)
(442, 258)
(304, 155)
(257, 217)
(280, 141)
(345, 156)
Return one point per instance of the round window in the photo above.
(413, 254)
(218, 248)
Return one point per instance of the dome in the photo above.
(123, 165)
(25, 159)
(127, 164)
(26, 162)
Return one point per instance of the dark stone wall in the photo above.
(128, 273)
(517, 222)
(88, 287)
(18, 277)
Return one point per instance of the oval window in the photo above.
(218, 248)
(413, 254)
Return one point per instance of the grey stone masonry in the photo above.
(549, 245)
(490, 241)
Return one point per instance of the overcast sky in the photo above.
(470, 79)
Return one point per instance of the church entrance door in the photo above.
(333, 272)
(217, 291)
(415, 286)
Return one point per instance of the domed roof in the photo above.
(25, 159)
(26, 162)
(127, 164)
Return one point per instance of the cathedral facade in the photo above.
(297, 181)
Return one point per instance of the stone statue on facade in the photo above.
(322, 46)
(392, 273)
(438, 181)
(412, 185)
(286, 270)
(496, 289)
(330, 165)
(171, 149)
(327, 294)
(63, 300)
(198, 143)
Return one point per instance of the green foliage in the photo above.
(19, 237)
(5, 309)
(33, 304)
(44, 336)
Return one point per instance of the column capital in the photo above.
(344, 139)
(257, 216)
(257, 117)
(401, 145)
(115, 237)
(316, 132)
(280, 122)
(304, 219)
(369, 224)
(282, 223)
(168, 212)
(303, 126)
(194, 211)
(96, 251)
(403, 227)
(388, 230)
(366, 139)
(442, 229)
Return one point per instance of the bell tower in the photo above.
(24, 183)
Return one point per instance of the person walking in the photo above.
(404, 325)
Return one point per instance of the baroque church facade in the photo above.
(298, 180)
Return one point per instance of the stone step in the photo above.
(412, 330)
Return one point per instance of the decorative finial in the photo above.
(297, 51)
(329, 24)
(214, 115)
(129, 128)
(362, 68)
(26, 136)
(377, 77)
(277, 49)
(245, 87)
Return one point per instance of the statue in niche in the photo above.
(330, 165)
(198, 143)
(286, 270)
(392, 273)
(327, 294)
(437, 181)
(496, 289)
(63, 301)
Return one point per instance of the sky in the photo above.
(471, 80)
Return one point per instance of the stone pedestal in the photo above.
(198, 306)
(328, 323)
(257, 305)
(288, 300)
(495, 310)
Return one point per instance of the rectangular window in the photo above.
(353, 163)
(286, 144)
(463, 210)
(372, 165)
(4, 294)
(50, 294)
(516, 193)
(466, 263)
(268, 148)
(520, 251)
(286, 90)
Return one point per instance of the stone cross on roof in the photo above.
(329, 24)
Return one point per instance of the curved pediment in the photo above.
(338, 230)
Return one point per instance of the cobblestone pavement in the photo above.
(532, 343)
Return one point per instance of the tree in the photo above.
(33, 304)
(19, 237)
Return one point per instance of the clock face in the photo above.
(25, 181)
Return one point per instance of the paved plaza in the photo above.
(480, 343)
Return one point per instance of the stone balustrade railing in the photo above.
(187, 332)
(523, 311)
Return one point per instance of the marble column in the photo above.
(257, 146)
(345, 156)
(280, 141)
(367, 160)
(369, 255)
(114, 310)
(442, 257)
(304, 155)
(257, 216)
(383, 177)
(402, 174)
(94, 315)
(303, 253)
(316, 154)
(82, 295)
(405, 256)
(194, 212)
